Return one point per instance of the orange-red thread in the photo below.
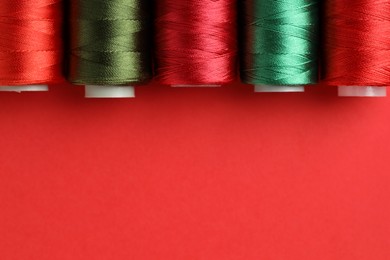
(356, 42)
(30, 42)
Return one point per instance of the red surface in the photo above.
(202, 174)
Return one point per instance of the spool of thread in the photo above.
(196, 42)
(110, 45)
(30, 44)
(280, 43)
(357, 46)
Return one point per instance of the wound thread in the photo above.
(110, 42)
(31, 42)
(356, 49)
(279, 42)
(196, 42)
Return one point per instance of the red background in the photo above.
(202, 174)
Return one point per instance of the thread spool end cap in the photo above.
(26, 88)
(362, 91)
(94, 91)
(278, 89)
(196, 86)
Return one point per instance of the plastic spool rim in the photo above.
(25, 88)
(279, 89)
(95, 91)
(362, 91)
(196, 86)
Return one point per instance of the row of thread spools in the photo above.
(276, 45)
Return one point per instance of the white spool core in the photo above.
(196, 86)
(93, 91)
(361, 91)
(26, 88)
(278, 89)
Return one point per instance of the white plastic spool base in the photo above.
(361, 91)
(278, 89)
(196, 86)
(93, 91)
(27, 88)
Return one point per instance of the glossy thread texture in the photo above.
(30, 42)
(110, 42)
(196, 41)
(357, 43)
(279, 41)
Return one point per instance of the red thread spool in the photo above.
(30, 42)
(357, 44)
(196, 42)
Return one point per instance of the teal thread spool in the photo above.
(279, 43)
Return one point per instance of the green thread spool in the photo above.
(110, 44)
(280, 44)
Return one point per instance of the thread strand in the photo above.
(110, 42)
(30, 42)
(356, 43)
(279, 41)
(196, 42)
